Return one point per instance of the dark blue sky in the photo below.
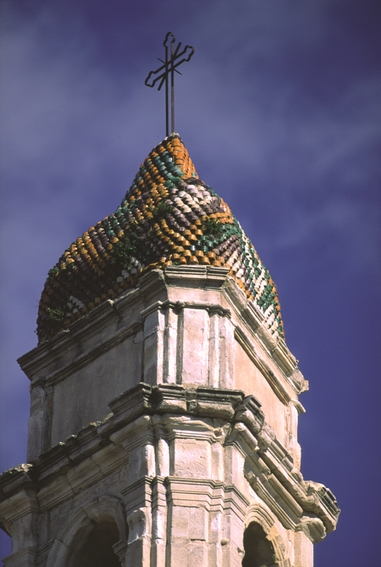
(280, 110)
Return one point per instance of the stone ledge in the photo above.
(156, 283)
(202, 277)
(174, 403)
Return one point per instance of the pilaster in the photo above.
(169, 416)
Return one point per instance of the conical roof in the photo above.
(168, 216)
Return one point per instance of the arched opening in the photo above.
(259, 551)
(93, 546)
(90, 535)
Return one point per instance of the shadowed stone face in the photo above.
(168, 217)
(259, 552)
(95, 549)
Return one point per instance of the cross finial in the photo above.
(174, 57)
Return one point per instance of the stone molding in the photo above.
(184, 458)
(185, 325)
(185, 277)
(181, 413)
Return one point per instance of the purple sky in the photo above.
(280, 110)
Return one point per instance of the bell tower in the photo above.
(164, 399)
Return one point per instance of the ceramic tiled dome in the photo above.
(168, 216)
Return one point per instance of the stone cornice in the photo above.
(152, 294)
(241, 423)
(210, 277)
(252, 320)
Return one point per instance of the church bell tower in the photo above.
(164, 399)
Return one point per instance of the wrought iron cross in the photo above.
(174, 57)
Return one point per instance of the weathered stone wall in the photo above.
(163, 425)
(180, 474)
(190, 326)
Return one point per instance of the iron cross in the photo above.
(174, 57)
